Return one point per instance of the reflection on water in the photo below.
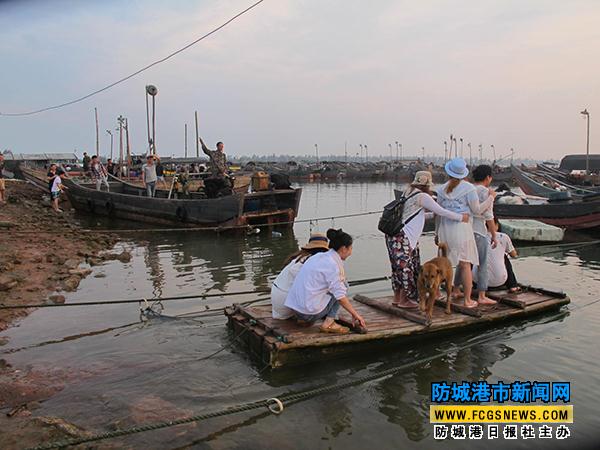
(116, 371)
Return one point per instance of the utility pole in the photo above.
(120, 119)
(111, 143)
(512, 154)
(423, 149)
(197, 137)
(317, 152)
(470, 155)
(366, 153)
(128, 163)
(346, 151)
(401, 153)
(185, 140)
(493, 153)
(445, 151)
(396, 151)
(97, 134)
(461, 147)
(361, 152)
(587, 145)
(480, 153)
(391, 155)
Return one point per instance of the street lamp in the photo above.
(396, 151)
(361, 152)
(391, 155)
(461, 147)
(587, 145)
(401, 155)
(494, 153)
(445, 151)
(317, 152)
(480, 153)
(111, 143)
(366, 153)
(423, 149)
(470, 155)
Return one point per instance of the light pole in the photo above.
(361, 152)
(445, 151)
(470, 155)
(401, 155)
(461, 147)
(423, 149)
(391, 155)
(512, 154)
(493, 153)
(587, 145)
(317, 152)
(121, 121)
(366, 153)
(480, 153)
(111, 143)
(396, 151)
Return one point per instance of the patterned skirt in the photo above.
(405, 262)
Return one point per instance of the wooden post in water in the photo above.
(197, 137)
(97, 136)
(185, 140)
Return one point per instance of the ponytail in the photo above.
(338, 239)
(452, 184)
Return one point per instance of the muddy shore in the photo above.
(43, 254)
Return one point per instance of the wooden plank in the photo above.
(475, 312)
(412, 316)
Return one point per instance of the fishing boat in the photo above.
(283, 343)
(128, 201)
(546, 185)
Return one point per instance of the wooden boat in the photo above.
(546, 185)
(127, 201)
(283, 343)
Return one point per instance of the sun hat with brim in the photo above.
(457, 168)
(317, 240)
(422, 178)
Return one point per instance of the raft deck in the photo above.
(284, 343)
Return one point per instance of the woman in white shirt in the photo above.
(320, 287)
(403, 249)
(317, 243)
(460, 196)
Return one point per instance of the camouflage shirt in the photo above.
(218, 161)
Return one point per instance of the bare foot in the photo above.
(458, 294)
(486, 301)
(471, 304)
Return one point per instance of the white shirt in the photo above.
(479, 219)
(281, 286)
(497, 274)
(320, 277)
(414, 228)
(56, 184)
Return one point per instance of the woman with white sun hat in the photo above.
(460, 196)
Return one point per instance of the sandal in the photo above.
(408, 305)
(474, 304)
(335, 329)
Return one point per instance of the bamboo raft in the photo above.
(284, 343)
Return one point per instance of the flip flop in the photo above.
(487, 302)
(474, 306)
(408, 306)
(335, 329)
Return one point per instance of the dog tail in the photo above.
(443, 248)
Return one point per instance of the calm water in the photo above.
(116, 368)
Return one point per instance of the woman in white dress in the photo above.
(317, 243)
(403, 249)
(460, 196)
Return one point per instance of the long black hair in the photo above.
(338, 239)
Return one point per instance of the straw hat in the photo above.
(457, 168)
(422, 178)
(317, 240)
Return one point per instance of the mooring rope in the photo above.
(186, 229)
(283, 400)
(167, 299)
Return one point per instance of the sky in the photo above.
(294, 73)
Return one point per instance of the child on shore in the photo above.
(57, 188)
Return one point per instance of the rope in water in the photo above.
(221, 228)
(279, 401)
(167, 299)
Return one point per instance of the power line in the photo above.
(105, 88)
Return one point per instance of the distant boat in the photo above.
(127, 201)
(545, 185)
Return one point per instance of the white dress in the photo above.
(459, 235)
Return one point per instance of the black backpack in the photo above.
(390, 221)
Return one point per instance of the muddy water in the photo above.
(118, 371)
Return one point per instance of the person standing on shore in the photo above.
(51, 175)
(218, 160)
(2, 185)
(99, 173)
(149, 177)
(56, 189)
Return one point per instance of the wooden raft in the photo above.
(283, 343)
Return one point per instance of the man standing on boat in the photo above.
(218, 160)
(99, 173)
(86, 164)
(149, 177)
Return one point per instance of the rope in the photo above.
(218, 229)
(105, 88)
(165, 299)
(285, 399)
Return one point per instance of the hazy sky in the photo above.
(290, 74)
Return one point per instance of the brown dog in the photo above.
(430, 279)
